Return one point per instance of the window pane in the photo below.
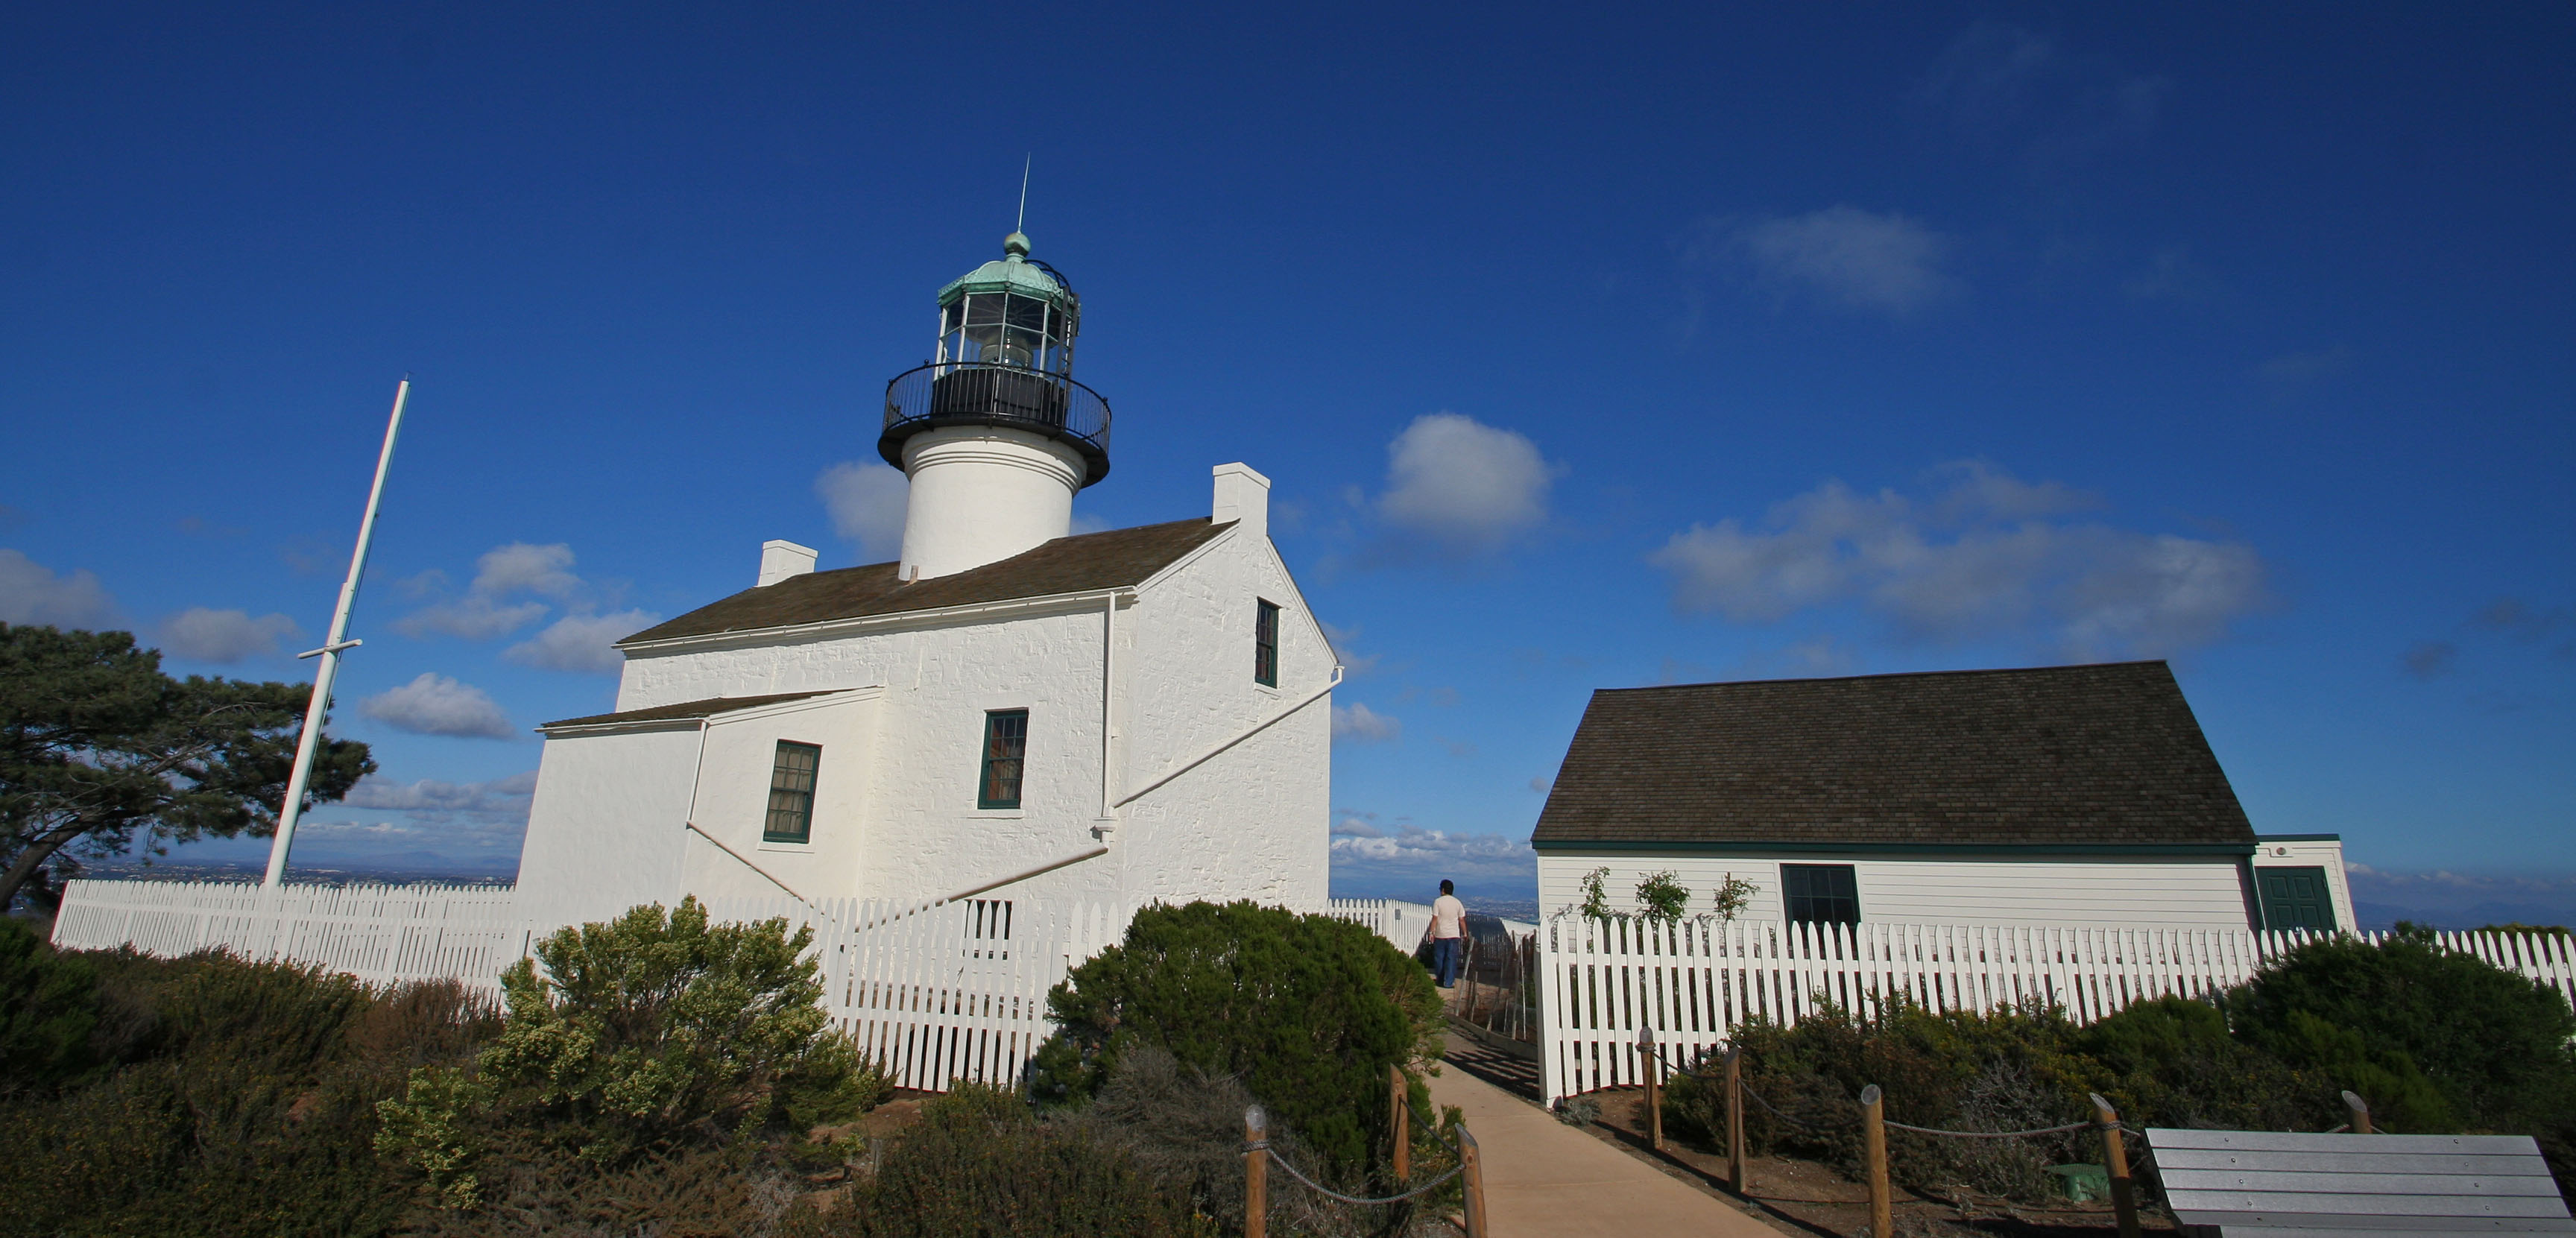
(1265, 645)
(1006, 741)
(1820, 893)
(1028, 313)
(984, 309)
(791, 793)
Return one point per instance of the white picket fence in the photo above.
(933, 993)
(1402, 924)
(942, 993)
(378, 933)
(1602, 982)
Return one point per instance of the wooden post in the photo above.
(2115, 1158)
(1256, 1176)
(1651, 1066)
(1474, 1168)
(2360, 1114)
(1399, 1119)
(1873, 1146)
(1735, 1118)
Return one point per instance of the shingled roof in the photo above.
(1119, 557)
(686, 710)
(2082, 756)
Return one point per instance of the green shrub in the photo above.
(227, 1097)
(980, 1162)
(650, 1032)
(1307, 1010)
(48, 1008)
(2173, 1062)
(2490, 1041)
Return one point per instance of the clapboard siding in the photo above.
(2153, 893)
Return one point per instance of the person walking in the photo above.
(1448, 935)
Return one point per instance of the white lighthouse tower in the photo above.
(994, 432)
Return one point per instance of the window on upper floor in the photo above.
(1006, 750)
(791, 793)
(1820, 893)
(1265, 645)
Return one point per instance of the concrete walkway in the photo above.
(1544, 1178)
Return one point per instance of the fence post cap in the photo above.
(1252, 1118)
(2355, 1103)
(2100, 1105)
(1869, 1095)
(1646, 1036)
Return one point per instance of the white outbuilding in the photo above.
(2055, 795)
(1007, 710)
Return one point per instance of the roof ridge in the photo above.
(1982, 670)
(1069, 537)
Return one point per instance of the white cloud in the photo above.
(499, 603)
(223, 635)
(1541, 784)
(1358, 724)
(434, 704)
(472, 617)
(1412, 845)
(866, 500)
(499, 799)
(1983, 559)
(1460, 487)
(524, 568)
(31, 593)
(1852, 258)
(583, 644)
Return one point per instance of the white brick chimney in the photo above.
(782, 559)
(1242, 495)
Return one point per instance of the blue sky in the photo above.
(1584, 349)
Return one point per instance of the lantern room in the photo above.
(1005, 360)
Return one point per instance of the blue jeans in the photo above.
(1444, 959)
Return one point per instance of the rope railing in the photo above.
(1291, 1166)
(1259, 1155)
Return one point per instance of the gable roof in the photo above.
(687, 710)
(1079, 564)
(2069, 756)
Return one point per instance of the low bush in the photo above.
(1308, 1011)
(981, 1162)
(646, 1035)
(48, 1008)
(223, 1097)
(2436, 1042)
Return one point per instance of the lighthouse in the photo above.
(993, 431)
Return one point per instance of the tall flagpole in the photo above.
(338, 640)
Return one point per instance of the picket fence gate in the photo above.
(380, 934)
(1602, 981)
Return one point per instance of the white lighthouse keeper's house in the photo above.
(1006, 710)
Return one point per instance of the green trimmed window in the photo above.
(1006, 750)
(791, 793)
(1820, 893)
(1265, 645)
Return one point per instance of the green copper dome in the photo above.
(1011, 273)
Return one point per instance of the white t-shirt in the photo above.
(1448, 917)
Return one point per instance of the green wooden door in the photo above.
(2295, 898)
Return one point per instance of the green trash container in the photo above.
(2082, 1183)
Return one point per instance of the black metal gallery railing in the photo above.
(985, 393)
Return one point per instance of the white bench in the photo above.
(2257, 1184)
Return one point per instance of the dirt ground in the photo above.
(1803, 1197)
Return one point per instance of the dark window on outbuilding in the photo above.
(791, 793)
(1265, 645)
(2294, 898)
(1820, 893)
(1006, 749)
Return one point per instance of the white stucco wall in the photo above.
(1252, 822)
(2193, 892)
(732, 800)
(606, 827)
(2312, 851)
